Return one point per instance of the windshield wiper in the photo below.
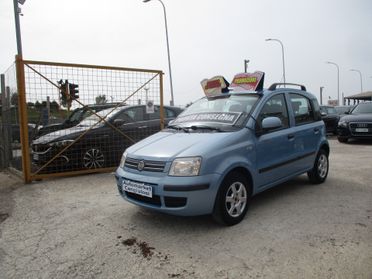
(178, 128)
(204, 127)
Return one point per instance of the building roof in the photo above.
(361, 96)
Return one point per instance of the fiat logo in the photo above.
(141, 165)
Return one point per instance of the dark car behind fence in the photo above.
(48, 92)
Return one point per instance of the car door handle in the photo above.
(142, 127)
(290, 136)
(316, 131)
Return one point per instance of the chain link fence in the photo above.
(9, 121)
(74, 118)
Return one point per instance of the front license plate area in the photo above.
(137, 188)
(361, 130)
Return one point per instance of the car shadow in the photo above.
(360, 141)
(165, 222)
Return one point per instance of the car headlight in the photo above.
(122, 161)
(342, 124)
(185, 166)
(61, 143)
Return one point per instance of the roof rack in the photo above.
(275, 85)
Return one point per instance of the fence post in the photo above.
(23, 119)
(161, 101)
(3, 160)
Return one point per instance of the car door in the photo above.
(307, 130)
(129, 128)
(274, 148)
(153, 123)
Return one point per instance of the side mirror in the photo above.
(271, 123)
(118, 122)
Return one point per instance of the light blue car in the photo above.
(224, 149)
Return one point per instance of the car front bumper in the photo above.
(185, 196)
(355, 130)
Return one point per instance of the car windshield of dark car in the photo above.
(362, 108)
(93, 119)
(226, 112)
(343, 109)
(331, 110)
(75, 116)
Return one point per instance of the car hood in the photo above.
(69, 133)
(168, 145)
(366, 117)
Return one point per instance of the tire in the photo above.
(319, 172)
(341, 139)
(93, 158)
(232, 199)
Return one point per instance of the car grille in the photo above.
(155, 200)
(361, 128)
(175, 201)
(153, 166)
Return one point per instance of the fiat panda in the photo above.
(235, 142)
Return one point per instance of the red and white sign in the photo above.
(214, 86)
(332, 102)
(248, 81)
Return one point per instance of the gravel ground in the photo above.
(79, 227)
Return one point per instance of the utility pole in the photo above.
(246, 61)
(321, 95)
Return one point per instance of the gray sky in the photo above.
(207, 38)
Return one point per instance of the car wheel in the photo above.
(342, 139)
(93, 158)
(320, 170)
(232, 200)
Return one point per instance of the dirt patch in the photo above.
(129, 241)
(145, 249)
(3, 217)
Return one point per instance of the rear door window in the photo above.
(302, 109)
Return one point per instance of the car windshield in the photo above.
(76, 115)
(328, 110)
(362, 108)
(219, 112)
(343, 109)
(105, 114)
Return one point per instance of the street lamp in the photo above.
(338, 80)
(17, 12)
(280, 42)
(246, 61)
(361, 80)
(169, 60)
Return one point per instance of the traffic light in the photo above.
(74, 90)
(63, 91)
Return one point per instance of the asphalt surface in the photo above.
(79, 227)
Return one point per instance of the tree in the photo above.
(38, 105)
(101, 99)
(14, 99)
(54, 106)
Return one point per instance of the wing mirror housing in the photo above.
(271, 123)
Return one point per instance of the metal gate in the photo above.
(83, 116)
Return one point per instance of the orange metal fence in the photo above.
(78, 118)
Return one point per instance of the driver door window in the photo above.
(274, 107)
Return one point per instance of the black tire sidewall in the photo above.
(342, 139)
(220, 212)
(314, 174)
